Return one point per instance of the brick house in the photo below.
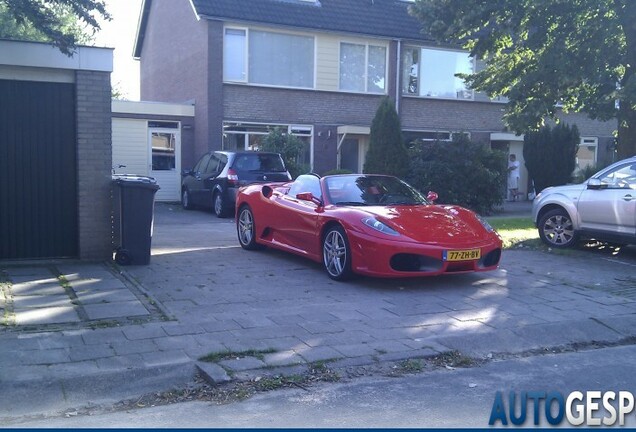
(317, 68)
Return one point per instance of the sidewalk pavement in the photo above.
(514, 209)
(77, 333)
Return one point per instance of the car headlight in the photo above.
(485, 224)
(372, 222)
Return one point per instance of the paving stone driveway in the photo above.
(228, 298)
(218, 298)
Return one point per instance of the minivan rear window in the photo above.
(259, 163)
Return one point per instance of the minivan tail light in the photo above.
(232, 177)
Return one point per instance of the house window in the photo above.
(234, 55)
(586, 154)
(412, 137)
(268, 58)
(431, 73)
(362, 68)
(249, 136)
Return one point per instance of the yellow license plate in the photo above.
(462, 255)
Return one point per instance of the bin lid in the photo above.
(133, 180)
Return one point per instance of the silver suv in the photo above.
(603, 208)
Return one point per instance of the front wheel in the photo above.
(336, 254)
(246, 229)
(556, 229)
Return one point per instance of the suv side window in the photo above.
(222, 161)
(202, 164)
(623, 177)
(213, 165)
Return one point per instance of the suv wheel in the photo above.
(219, 206)
(556, 229)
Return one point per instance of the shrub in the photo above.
(387, 153)
(550, 155)
(290, 147)
(460, 171)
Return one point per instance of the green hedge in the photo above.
(460, 171)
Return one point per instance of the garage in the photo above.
(37, 170)
(54, 152)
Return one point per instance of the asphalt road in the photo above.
(436, 398)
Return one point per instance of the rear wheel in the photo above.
(219, 206)
(556, 229)
(336, 254)
(246, 229)
(185, 200)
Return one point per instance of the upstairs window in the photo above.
(235, 55)
(268, 58)
(362, 68)
(431, 73)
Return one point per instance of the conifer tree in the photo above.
(387, 153)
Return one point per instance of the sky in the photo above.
(120, 34)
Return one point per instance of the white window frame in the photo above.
(245, 53)
(438, 132)
(308, 131)
(247, 56)
(176, 131)
(366, 66)
(588, 142)
(419, 74)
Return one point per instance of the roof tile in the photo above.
(384, 18)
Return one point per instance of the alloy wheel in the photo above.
(557, 230)
(246, 229)
(335, 255)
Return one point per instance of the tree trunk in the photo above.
(626, 10)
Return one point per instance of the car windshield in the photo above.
(363, 190)
(259, 162)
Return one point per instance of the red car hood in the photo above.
(441, 224)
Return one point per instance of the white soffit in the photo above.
(152, 108)
(505, 136)
(42, 55)
(354, 130)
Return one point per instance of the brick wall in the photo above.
(261, 104)
(94, 156)
(174, 66)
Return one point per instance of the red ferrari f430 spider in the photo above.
(372, 225)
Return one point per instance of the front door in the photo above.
(165, 165)
(349, 155)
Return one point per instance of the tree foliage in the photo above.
(290, 147)
(63, 23)
(550, 155)
(461, 172)
(547, 55)
(387, 153)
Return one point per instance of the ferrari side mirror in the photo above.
(432, 196)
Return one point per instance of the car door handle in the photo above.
(628, 198)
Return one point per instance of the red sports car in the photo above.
(371, 225)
